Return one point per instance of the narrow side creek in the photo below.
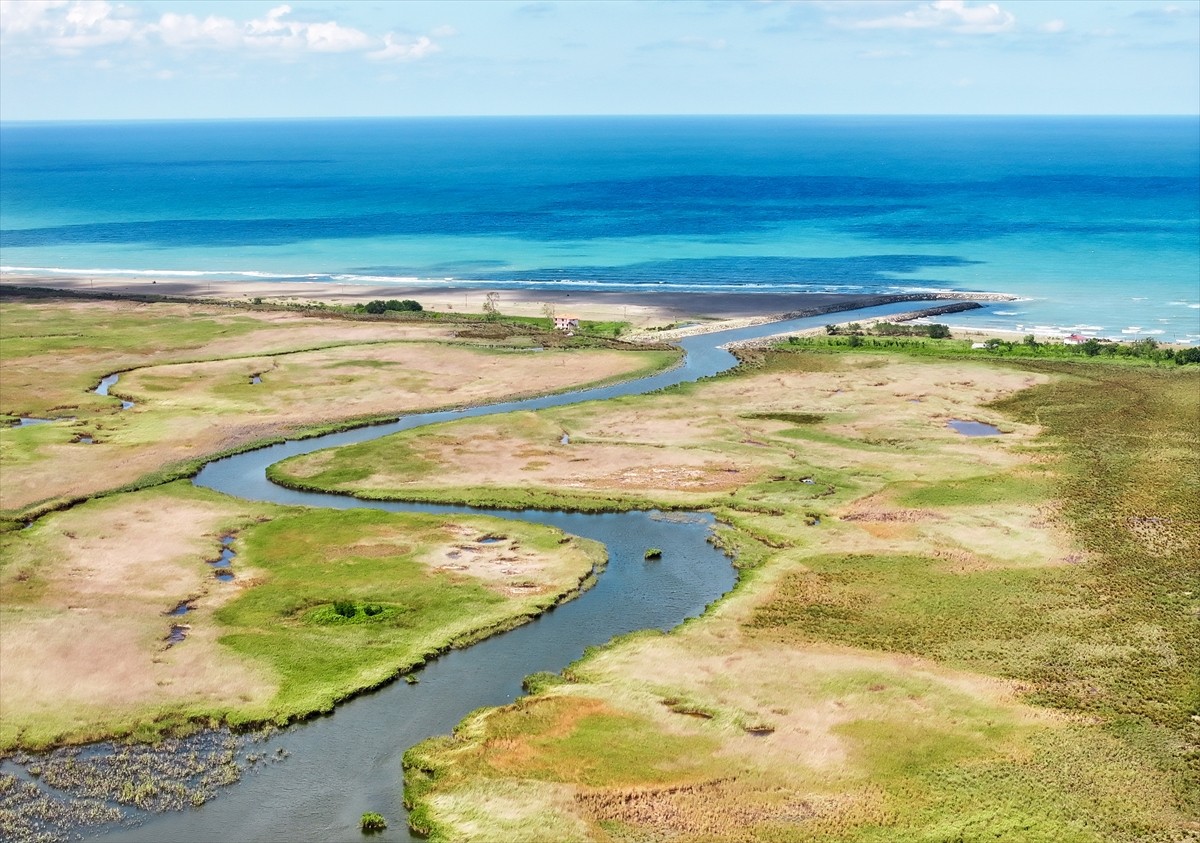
(108, 382)
(339, 766)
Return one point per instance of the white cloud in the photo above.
(189, 30)
(953, 15)
(1053, 26)
(1168, 13)
(274, 31)
(26, 15)
(69, 27)
(81, 24)
(404, 49)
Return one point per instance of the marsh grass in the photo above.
(395, 611)
(1107, 645)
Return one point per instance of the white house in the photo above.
(570, 324)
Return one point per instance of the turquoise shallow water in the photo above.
(1094, 222)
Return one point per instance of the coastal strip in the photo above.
(641, 309)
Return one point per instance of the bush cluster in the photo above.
(378, 306)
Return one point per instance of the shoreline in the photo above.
(653, 316)
(641, 309)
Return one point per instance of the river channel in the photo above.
(349, 762)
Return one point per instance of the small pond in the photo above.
(973, 428)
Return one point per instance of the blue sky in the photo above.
(92, 59)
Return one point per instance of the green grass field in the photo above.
(371, 560)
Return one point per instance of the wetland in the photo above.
(925, 633)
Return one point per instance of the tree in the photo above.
(491, 305)
(831, 329)
(939, 332)
(1091, 348)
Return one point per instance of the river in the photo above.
(341, 765)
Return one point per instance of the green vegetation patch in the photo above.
(343, 601)
(790, 418)
(983, 490)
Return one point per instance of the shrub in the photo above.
(372, 609)
(378, 306)
(345, 608)
(653, 553)
(1188, 355)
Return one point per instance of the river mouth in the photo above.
(350, 762)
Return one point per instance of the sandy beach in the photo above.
(641, 309)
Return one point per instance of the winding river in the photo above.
(350, 762)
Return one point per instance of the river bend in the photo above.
(350, 762)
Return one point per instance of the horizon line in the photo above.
(593, 116)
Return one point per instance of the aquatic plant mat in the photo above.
(50, 796)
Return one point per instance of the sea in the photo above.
(1092, 223)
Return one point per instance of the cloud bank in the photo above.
(75, 26)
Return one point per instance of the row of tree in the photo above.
(378, 306)
(891, 329)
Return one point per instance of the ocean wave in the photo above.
(155, 273)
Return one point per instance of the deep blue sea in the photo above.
(1093, 222)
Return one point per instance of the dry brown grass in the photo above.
(186, 410)
(814, 740)
(499, 561)
(85, 599)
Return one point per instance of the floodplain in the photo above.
(112, 568)
(205, 379)
(934, 636)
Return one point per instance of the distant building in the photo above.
(1074, 339)
(570, 324)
